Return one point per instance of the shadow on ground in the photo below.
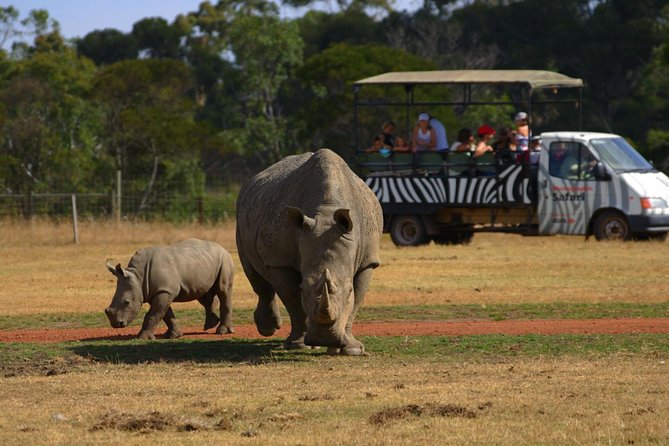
(197, 351)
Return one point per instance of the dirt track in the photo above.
(397, 328)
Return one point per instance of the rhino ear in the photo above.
(297, 218)
(120, 271)
(343, 219)
(117, 270)
(111, 268)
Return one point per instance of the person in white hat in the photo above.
(424, 137)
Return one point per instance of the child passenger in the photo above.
(401, 145)
(379, 146)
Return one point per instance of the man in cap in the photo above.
(440, 132)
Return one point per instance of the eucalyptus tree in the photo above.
(15, 31)
(106, 46)
(47, 127)
(243, 53)
(328, 77)
(148, 108)
(267, 50)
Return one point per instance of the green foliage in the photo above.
(107, 46)
(320, 30)
(231, 87)
(157, 38)
(329, 76)
(148, 111)
(47, 124)
(267, 50)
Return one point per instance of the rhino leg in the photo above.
(352, 346)
(287, 281)
(159, 306)
(266, 315)
(209, 302)
(170, 320)
(225, 308)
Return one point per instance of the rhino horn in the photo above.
(327, 310)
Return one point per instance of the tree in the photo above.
(319, 30)
(148, 108)
(266, 50)
(326, 111)
(650, 105)
(107, 46)
(618, 44)
(155, 37)
(47, 126)
(13, 30)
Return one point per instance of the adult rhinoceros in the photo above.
(308, 229)
(159, 275)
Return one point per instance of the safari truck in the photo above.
(574, 182)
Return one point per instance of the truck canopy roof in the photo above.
(531, 78)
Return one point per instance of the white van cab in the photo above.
(597, 183)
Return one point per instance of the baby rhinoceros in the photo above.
(159, 275)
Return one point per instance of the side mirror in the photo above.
(601, 173)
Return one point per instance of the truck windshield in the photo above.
(620, 156)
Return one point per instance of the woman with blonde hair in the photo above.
(424, 136)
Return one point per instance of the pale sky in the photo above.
(79, 17)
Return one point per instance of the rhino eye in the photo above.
(126, 303)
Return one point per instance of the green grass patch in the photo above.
(195, 317)
(497, 312)
(487, 347)
(20, 358)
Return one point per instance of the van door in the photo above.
(567, 188)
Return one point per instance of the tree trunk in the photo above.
(149, 187)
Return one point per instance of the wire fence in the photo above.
(212, 206)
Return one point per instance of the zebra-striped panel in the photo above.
(509, 186)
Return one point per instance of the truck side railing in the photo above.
(455, 164)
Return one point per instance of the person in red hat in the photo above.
(485, 134)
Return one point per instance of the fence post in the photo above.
(118, 197)
(75, 227)
(200, 209)
(31, 203)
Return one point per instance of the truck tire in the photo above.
(408, 230)
(611, 225)
(453, 237)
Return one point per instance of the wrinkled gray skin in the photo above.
(308, 229)
(159, 275)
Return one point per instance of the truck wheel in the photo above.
(453, 237)
(611, 225)
(408, 230)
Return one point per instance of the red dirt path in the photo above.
(396, 328)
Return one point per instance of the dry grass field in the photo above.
(486, 390)
(42, 271)
(345, 401)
